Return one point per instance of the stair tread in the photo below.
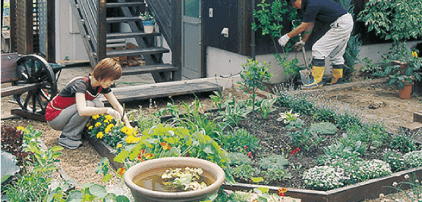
(138, 51)
(112, 5)
(150, 91)
(120, 19)
(131, 34)
(132, 70)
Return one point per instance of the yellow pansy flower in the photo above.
(90, 127)
(95, 117)
(98, 124)
(20, 128)
(414, 54)
(119, 145)
(100, 135)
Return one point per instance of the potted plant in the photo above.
(145, 187)
(148, 21)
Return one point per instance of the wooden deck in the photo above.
(151, 91)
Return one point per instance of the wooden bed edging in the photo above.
(358, 192)
(363, 190)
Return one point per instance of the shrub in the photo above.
(324, 177)
(11, 142)
(413, 159)
(239, 159)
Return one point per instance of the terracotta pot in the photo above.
(143, 194)
(404, 93)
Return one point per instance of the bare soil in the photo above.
(374, 103)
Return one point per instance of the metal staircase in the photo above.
(93, 20)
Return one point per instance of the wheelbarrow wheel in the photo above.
(35, 69)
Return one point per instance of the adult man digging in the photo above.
(332, 44)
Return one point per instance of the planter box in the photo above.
(105, 151)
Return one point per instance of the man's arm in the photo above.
(306, 27)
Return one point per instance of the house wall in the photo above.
(224, 63)
(68, 39)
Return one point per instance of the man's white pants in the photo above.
(333, 44)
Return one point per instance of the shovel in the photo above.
(305, 75)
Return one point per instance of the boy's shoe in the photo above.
(69, 143)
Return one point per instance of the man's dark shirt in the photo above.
(325, 11)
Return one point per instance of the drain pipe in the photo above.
(252, 31)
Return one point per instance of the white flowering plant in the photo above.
(413, 159)
(373, 169)
(324, 177)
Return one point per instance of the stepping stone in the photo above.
(411, 126)
(417, 117)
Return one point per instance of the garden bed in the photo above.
(273, 138)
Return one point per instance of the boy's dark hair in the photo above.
(107, 68)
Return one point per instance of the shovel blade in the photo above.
(305, 76)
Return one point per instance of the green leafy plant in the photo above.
(304, 139)
(403, 143)
(143, 121)
(267, 106)
(234, 112)
(147, 16)
(245, 172)
(272, 175)
(370, 69)
(395, 159)
(323, 128)
(168, 141)
(240, 140)
(8, 166)
(237, 158)
(274, 162)
(253, 76)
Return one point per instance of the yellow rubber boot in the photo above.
(337, 76)
(316, 80)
